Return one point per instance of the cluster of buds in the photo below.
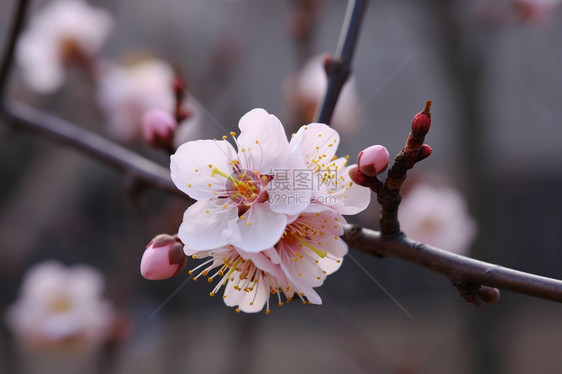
(374, 160)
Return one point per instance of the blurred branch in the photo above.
(338, 68)
(8, 56)
(134, 166)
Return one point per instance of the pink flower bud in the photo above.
(373, 160)
(159, 128)
(422, 121)
(358, 177)
(163, 258)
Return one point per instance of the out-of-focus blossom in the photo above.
(304, 91)
(61, 308)
(437, 216)
(163, 258)
(159, 128)
(126, 93)
(65, 31)
(536, 11)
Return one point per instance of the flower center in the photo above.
(245, 186)
(60, 304)
(300, 232)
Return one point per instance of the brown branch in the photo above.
(458, 269)
(414, 151)
(8, 56)
(338, 68)
(134, 166)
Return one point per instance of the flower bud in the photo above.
(159, 128)
(424, 152)
(163, 258)
(357, 177)
(373, 160)
(422, 121)
(489, 295)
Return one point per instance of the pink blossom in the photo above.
(63, 31)
(61, 307)
(437, 216)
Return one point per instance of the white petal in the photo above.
(260, 228)
(291, 189)
(343, 195)
(263, 140)
(193, 163)
(316, 143)
(207, 225)
(260, 260)
(248, 301)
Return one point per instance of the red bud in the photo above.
(422, 121)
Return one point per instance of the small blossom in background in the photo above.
(437, 216)
(64, 32)
(61, 308)
(536, 11)
(269, 215)
(126, 92)
(304, 91)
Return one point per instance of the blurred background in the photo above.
(492, 70)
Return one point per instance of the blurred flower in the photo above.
(304, 91)
(536, 11)
(163, 258)
(61, 308)
(126, 93)
(437, 216)
(65, 31)
(159, 128)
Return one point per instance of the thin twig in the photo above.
(457, 268)
(8, 57)
(338, 68)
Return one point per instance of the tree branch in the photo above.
(458, 269)
(8, 57)
(134, 166)
(338, 68)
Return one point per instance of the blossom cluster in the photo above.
(67, 33)
(253, 242)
